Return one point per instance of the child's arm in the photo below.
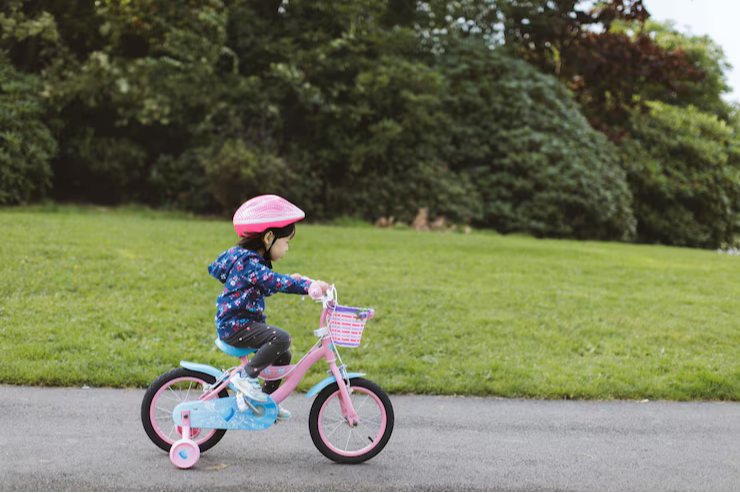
(274, 282)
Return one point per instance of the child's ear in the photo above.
(268, 238)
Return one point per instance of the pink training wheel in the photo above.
(184, 453)
(194, 432)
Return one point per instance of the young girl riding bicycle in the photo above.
(265, 225)
(187, 410)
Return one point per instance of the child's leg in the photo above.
(271, 386)
(273, 343)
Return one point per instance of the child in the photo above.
(265, 225)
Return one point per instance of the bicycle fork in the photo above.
(348, 411)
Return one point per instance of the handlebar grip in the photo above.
(315, 291)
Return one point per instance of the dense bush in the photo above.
(538, 165)
(684, 169)
(180, 182)
(350, 108)
(234, 170)
(383, 155)
(363, 108)
(26, 144)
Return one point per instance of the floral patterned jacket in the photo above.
(247, 279)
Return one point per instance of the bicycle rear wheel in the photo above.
(331, 432)
(161, 398)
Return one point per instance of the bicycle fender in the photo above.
(208, 369)
(328, 381)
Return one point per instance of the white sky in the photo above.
(719, 19)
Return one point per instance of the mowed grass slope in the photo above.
(114, 298)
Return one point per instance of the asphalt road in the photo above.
(55, 439)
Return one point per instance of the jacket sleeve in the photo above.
(273, 282)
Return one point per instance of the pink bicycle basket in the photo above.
(346, 324)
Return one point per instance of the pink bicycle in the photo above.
(187, 410)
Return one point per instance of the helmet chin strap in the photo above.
(282, 233)
(267, 249)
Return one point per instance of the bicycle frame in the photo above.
(324, 349)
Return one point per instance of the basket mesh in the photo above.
(346, 324)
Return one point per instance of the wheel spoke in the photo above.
(175, 393)
(362, 440)
(366, 433)
(357, 409)
(371, 420)
(169, 398)
(190, 387)
(338, 412)
(346, 445)
(165, 420)
(335, 429)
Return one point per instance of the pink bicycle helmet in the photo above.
(263, 212)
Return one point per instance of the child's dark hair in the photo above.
(255, 242)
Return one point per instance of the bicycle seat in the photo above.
(234, 351)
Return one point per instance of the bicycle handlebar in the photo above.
(315, 291)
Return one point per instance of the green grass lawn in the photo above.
(116, 297)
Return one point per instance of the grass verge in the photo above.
(115, 297)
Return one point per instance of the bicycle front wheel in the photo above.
(331, 432)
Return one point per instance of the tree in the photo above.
(613, 74)
(130, 94)
(702, 53)
(353, 107)
(609, 72)
(547, 33)
(26, 144)
(683, 166)
(538, 165)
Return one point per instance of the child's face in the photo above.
(279, 248)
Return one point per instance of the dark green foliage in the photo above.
(234, 170)
(539, 167)
(359, 108)
(389, 146)
(128, 91)
(349, 108)
(684, 169)
(26, 144)
(180, 182)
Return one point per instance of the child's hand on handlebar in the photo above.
(318, 289)
(298, 277)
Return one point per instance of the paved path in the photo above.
(92, 440)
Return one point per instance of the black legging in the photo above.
(273, 343)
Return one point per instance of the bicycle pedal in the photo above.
(243, 403)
